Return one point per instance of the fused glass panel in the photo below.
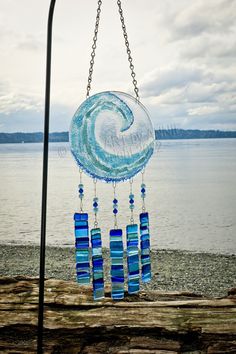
(82, 248)
(132, 258)
(145, 247)
(117, 268)
(111, 136)
(97, 261)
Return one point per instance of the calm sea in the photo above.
(191, 195)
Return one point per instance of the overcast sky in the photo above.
(184, 56)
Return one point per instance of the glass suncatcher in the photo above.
(112, 139)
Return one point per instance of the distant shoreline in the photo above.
(160, 134)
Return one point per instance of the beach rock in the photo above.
(232, 292)
(151, 322)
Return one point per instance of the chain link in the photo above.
(131, 65)
(94, 46)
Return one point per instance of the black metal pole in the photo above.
(45, 180)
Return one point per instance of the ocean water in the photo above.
(191, 195)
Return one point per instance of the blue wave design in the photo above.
(108, 155)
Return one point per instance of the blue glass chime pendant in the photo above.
(132, 258)
(112, 139)
(97, 264)
(82, 248)
(145, 247)
(117, 267)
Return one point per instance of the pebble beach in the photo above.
(205, 274)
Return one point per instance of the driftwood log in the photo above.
(151, 322)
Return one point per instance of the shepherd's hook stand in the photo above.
(45, 180)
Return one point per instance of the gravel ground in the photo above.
(201, 273)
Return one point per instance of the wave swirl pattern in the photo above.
(111, 136)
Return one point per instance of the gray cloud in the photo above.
(191, 43)
(25, 111)
(196, 18)
(210, 47)
(16, 108)
(31, 43)
(14, 102)
(171, 77)
(32, 119)
(5, 32)
(180, 95)
(200, 87)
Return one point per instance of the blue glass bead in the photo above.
(143, 190)
(116, 232)
(131, 206)
(115, 201)
(131, 196)
(115, 211)
(131, 201)
(81, 217)
(81, 190)
(95, 204)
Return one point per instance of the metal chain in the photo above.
(131, 192)
(131, 65)
(95, 196)
(94, 46)
(114, 194)
(143, 199)
(81, 196)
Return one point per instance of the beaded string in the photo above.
(81, 191)
(95, 203)
(131, 201)
(115, 205)
(143, 192)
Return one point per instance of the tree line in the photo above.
(160, 134)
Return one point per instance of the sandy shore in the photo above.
(202, 273)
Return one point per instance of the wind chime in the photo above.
(112, 139)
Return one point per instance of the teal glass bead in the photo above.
(95, 199)
(131, 196)
(143, 185)
(95, 210)
(131, 206)
(81, 185)
(143, 195)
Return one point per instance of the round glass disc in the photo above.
(111, 136)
